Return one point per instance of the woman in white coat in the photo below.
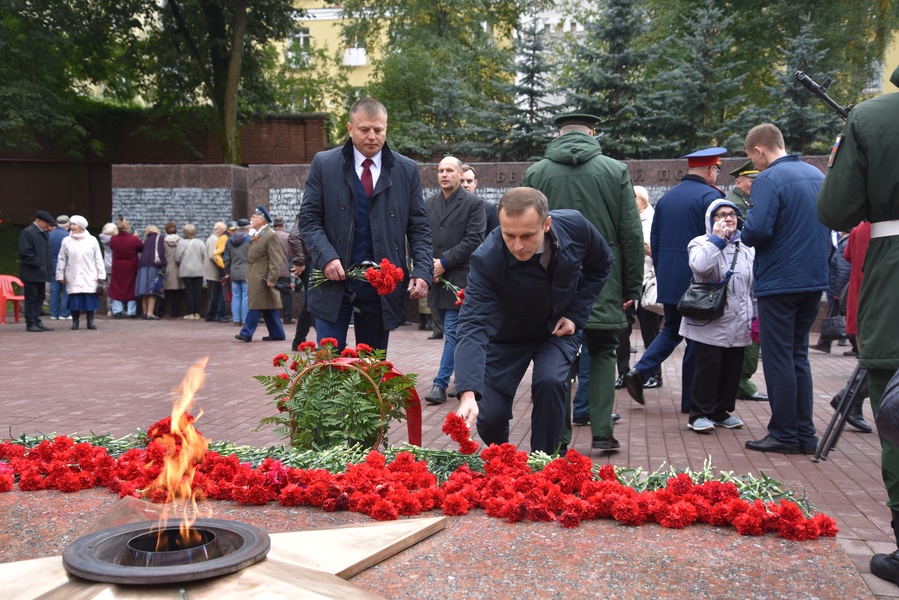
(81, 268)
(720, 343)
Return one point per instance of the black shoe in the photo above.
(807, 449)
(605, 442)
(437, 395)
(268, 338)
(769, 444)
(224, 320)
(652, 383)
(242, 338)
(825, 348)
(118, 316)
(615, 417)
(859, 423)
(756, 396)
(851, 353)
(43, 327)
(435, 336)
(34, 329)
(580, 421)
(886, 566)
(453, 393)
(619, 383)
(633, 381)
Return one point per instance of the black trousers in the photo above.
(34, 292)
(650, 326)
(715, 381)
(286, 302)
(214, 291)
(193, 289)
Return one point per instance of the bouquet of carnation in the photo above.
(455, 289)
(384, 277)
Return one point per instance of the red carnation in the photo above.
(305, 346)
(349, 353)
(460, 297)
(455, 505)
(279, 360)
(607, 473)
(364, 349)
(329, 341)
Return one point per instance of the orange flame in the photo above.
(180, 463)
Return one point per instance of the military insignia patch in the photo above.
(833, 152)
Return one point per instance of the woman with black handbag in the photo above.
(718, 256)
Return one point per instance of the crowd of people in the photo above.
(555, 276)
(162, 275)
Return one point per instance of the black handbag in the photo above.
(705, 301)
(833, 326)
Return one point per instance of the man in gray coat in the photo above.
(362, 202)
(457, 222)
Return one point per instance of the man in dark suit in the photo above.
(457, 225)
(530, 289)
(362, 202)
(35, 268)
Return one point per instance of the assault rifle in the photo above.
(821, 92)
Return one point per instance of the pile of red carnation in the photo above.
(566, 490)
(384, 277)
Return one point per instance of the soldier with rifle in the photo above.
(863, 184)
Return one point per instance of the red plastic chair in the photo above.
(8, 294)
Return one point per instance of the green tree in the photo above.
(520, 127)
(419, 43)
(51, 53)
(807, 125)
(211, 50)
(698, 91)
(856, 34)
(604, 77)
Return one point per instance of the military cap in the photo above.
(577, 119)
(708, 157)
(745, 170)
(243, 222)
(260, 210)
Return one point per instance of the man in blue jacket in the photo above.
(361, 203)
(679, 217)
(530, 289)
(791, 250)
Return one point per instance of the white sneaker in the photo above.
(69, 318)
(702, 424)
(54, 318)
(730, 423)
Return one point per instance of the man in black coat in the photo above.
(35, 266)
(531, 286)
(363, 203)
(457, 225)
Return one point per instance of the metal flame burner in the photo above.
(127, 553)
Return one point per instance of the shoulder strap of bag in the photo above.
(733, 263)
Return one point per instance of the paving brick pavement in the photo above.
(122, 376)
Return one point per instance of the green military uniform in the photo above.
(740, 199)
(575, 174)
(863, 184)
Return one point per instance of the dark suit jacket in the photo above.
(457, 229)
(327, 225)
(35, 259)
(510, 302)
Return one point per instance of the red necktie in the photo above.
(367, 184)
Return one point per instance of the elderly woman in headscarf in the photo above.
(720, 342)
(126, 247)
(149, 264)
(81, 268)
